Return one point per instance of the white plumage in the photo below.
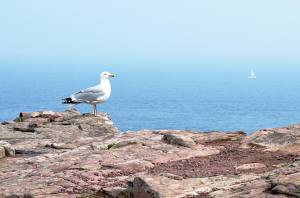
(93, 95)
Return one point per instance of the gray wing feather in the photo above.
(88, 95)
(90, 90)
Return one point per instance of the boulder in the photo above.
(179, 140)
(147, 186)
(140, 188)
(26, 128)
(35, 114)
(285, 139)
(287, 185)
(24, 115)
(9, 150)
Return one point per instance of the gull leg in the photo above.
(94, 109)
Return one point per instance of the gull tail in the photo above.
(69, 101)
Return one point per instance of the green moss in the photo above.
(110, 145)
(19, 119)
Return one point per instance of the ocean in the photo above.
(199, 96)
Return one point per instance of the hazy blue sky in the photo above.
(98, 30)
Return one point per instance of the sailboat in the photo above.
(252, 74)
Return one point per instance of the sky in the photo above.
(121, 31)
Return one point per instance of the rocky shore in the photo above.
(68, 154)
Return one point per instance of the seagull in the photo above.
(93, 95)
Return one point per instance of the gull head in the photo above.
(107, 75)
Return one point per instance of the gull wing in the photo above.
(88, 95)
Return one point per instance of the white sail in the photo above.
(252, 74)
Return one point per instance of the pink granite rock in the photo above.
(250, 166)
(285, 139)
(68, 154)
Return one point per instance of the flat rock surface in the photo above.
(285, 139)
(231, 160)
(68, 154)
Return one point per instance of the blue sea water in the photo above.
(200, 97)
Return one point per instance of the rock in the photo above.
(287, 184)
(9, 150)
(71, 114)
(99, 146)
(247, 186)
(57, 119)
(47, 113)
(2, 152)
(67, 155)
(286, 190)
(250, 166)
(285, 139)
(24, 115)
(171, 176)
(38, 121)
(217, 137)
(28, 128)
(121, 144)
(179, 140)
(60, 146)
(135, 165)
(35, 114)
(140, 188)
(163, 187)
(113, 192)
(52, 116)
(7, 122)
(17, 195)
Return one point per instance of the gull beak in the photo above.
(112, 75)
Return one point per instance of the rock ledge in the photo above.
(68, 154)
